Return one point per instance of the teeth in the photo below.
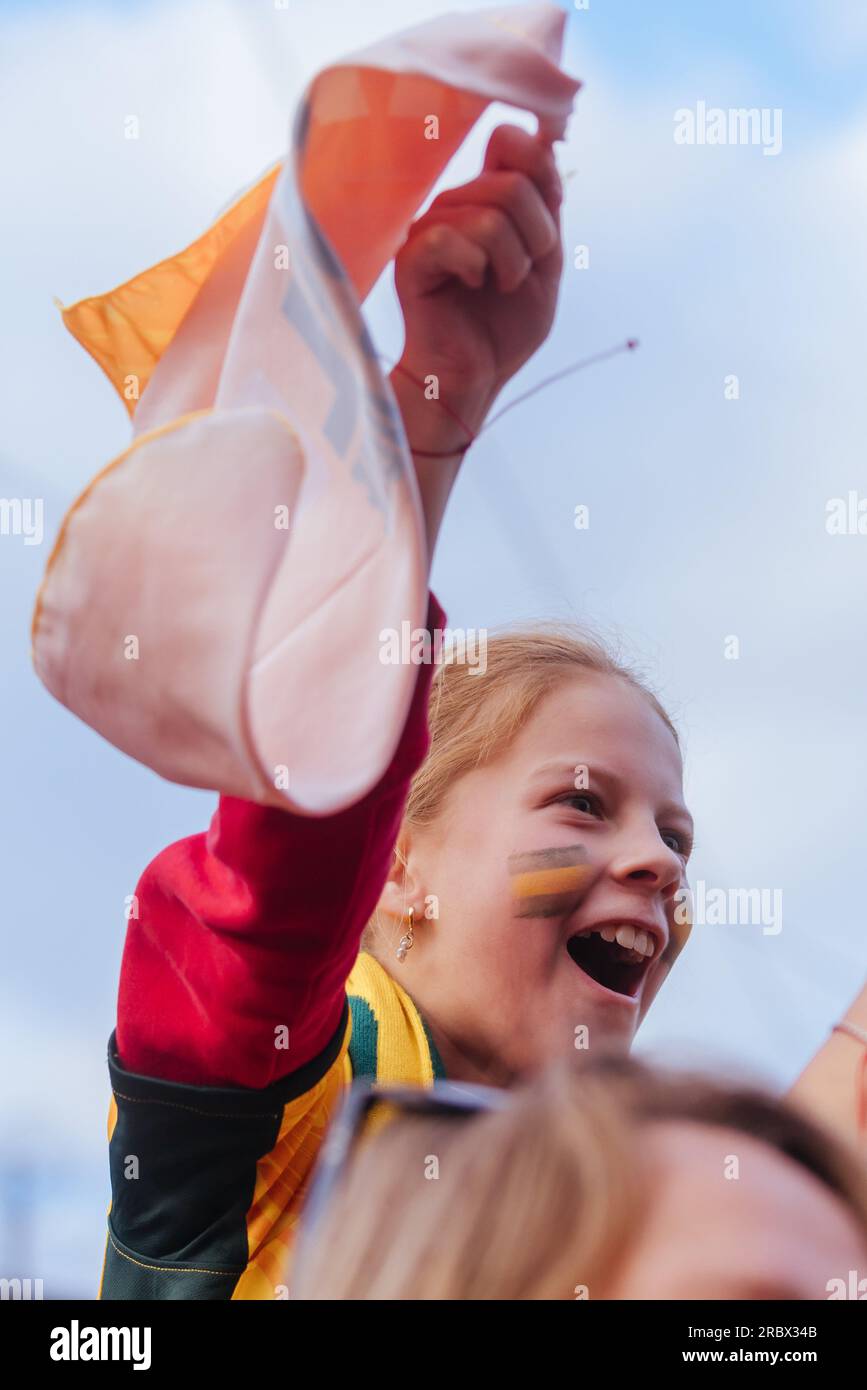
(636, 943)
(629, 957)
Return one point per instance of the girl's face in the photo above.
(544, 894)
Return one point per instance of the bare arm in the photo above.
(832, 1084)
(477, 280)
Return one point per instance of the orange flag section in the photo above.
(127, 329)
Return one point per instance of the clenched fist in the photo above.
(477, 281)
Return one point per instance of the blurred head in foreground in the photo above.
(611, 1181)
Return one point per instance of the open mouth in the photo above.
(616, 957)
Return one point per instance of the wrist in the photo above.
(440, 422)
(438, 443)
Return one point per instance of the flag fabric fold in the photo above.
(214, 601)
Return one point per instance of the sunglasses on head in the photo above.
(366, 1107)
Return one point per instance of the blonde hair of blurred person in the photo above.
(602, 1181)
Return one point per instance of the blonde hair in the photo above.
(474, 715)
(540, 1197)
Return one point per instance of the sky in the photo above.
(707, 514)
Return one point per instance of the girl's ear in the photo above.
(402, 889)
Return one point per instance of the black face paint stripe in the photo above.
(560, 857)
(543, 905)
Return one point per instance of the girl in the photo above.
(524, 906)
(532, 881)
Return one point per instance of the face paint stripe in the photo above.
(561, 857)
(547, 881)
(546, 905)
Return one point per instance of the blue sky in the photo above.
(707, 515)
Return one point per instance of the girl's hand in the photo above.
(477, 281)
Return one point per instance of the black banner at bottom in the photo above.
(256, 1338)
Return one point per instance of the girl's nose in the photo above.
(648, 861)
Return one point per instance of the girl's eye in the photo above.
(675, 842)
(585, 802)
(588, 804)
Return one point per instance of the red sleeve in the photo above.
(255, 924)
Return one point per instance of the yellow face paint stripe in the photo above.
(549, 881)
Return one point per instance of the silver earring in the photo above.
(406, 941)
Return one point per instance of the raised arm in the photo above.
(834, 1084)
(477, 280)
(232, 1011)
(255, 925)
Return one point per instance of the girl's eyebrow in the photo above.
(598, 773)
(679, 811)
(561, 767)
